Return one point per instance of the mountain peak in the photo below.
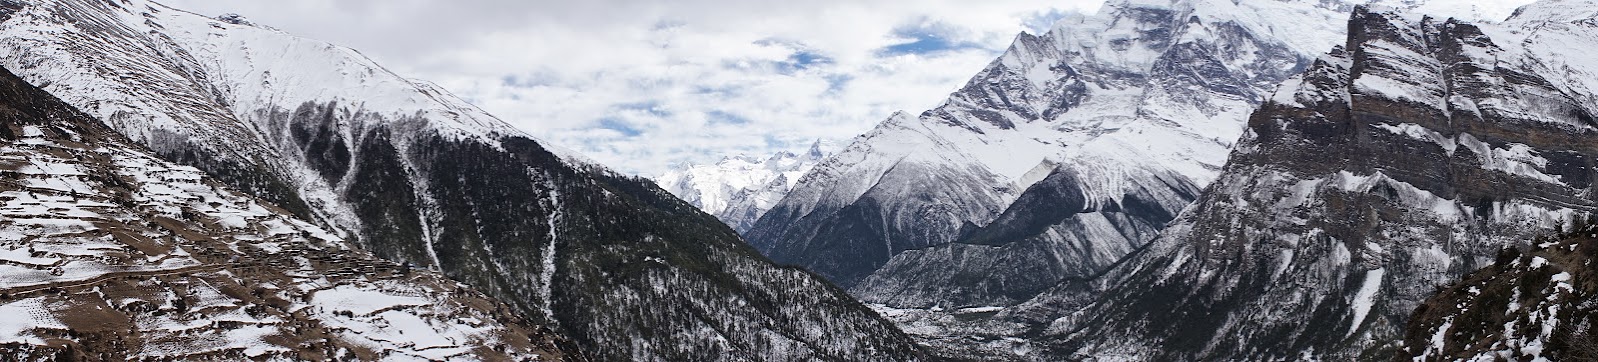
(739, 189)
(418, 176)
(1126, 112)
(1562, 11)
(821, 148)
(1385, 169)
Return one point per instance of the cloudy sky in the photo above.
(642, 84)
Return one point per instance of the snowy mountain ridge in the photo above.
(1064, 154)
(414, 175)
(1395, 164)
(111, 253)
(203, 84)
(739, 189)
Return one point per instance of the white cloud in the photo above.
(642, 84)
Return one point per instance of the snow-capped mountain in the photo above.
(414, 174)
(1393, 165)
(107, 252)
(1067, 152)
(739, 189)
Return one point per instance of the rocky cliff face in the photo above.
(416, 175)
(1394, 164)
(1530, 304)
(1065, 154)
(108, 252)
(739, 189)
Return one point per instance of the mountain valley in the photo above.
(1162, 180)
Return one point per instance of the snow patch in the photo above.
(362, 301)
(1365, 297)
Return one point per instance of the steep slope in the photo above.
(107, 252)
(416, 175)
(1393, 165)
(739, 189)
(1066, 153)
(1537, 303)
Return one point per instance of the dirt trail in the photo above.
(102, 278)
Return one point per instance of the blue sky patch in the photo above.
(618, 125)
(836, 82)
(530, 80)
(650, 107)
(773, 143)
(803, 57)
(667, 24)
(722, 117)
(721, 91)
(1041, 22)
(925, 39)
(801, 60)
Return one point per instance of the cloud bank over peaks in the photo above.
(640, 85)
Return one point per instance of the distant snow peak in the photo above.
(1469, 10)
(738, 189)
